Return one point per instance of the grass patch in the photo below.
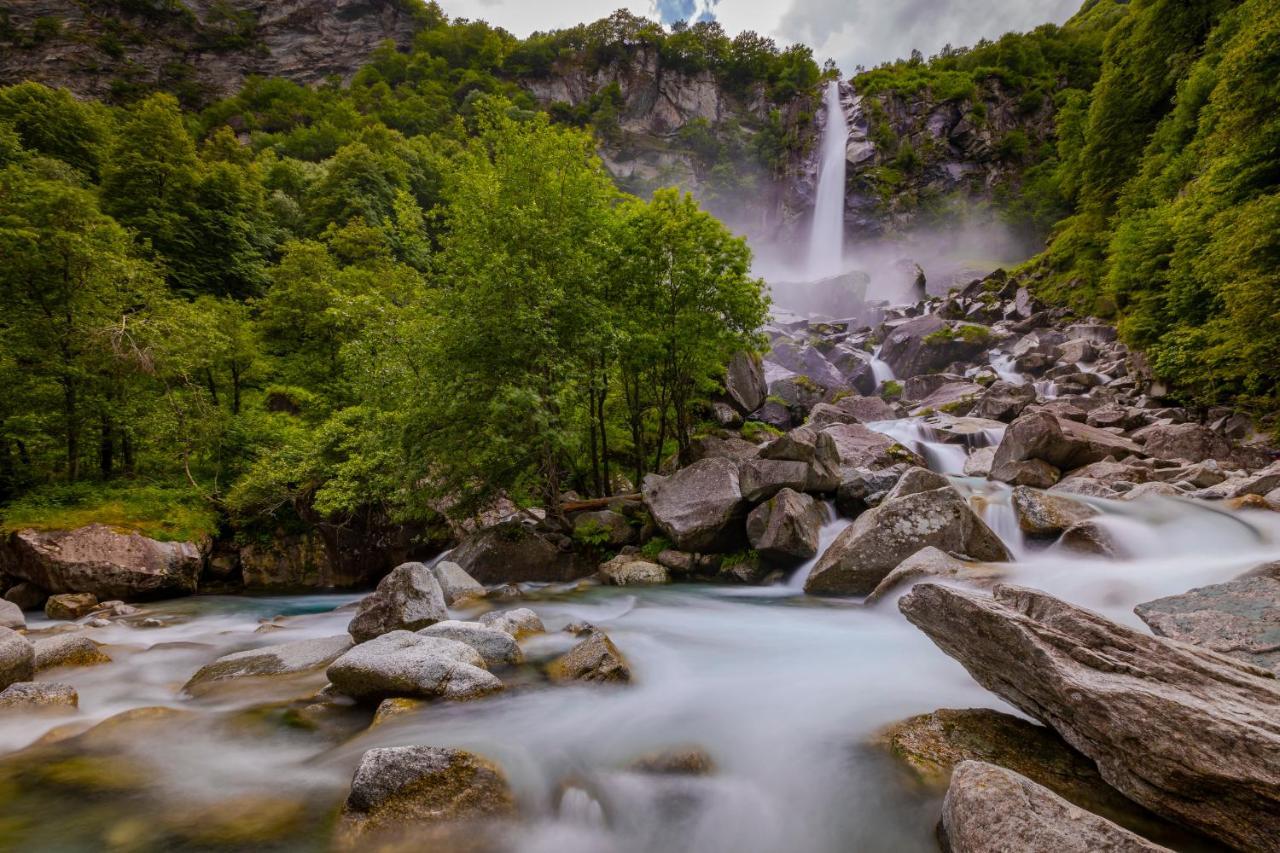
(162, 513)
(757, 431)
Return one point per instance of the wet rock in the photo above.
(17, 658)
(688, 761)
(403, 788)
(1240, 618)
(1004, 401)
(404, 664)
(70, 606)
(27, 596)
(989, 808)
(595, 659)
(407, 599)
(632, 570)
(744, 382)
(919, 387)
(1188, 733)
(979, 462)
(881, 538)
(283, 659)
(1043, 515)
(456, 584)
(927, 344)
(512, 552)
(519, 623)
(11, 616)
(761, 479)
(861, 447)
(929, 562)
(1090, 537)
(784, 529)
(68, 650)
(101, 561)
(389, 709)
(32, 696)
(612, 529)
(933, 745)
(496, 647)
(1190, 442)
(699, 508)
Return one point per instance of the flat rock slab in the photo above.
(1240, 618)
(1190, 734)
(989, 809)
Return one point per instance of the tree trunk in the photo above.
(71, 413)
(235, 388)
(126, 452)
(106, 448)
(213, 386)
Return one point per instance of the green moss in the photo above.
(891, 390)
(166, 514)
(756, 432)
(655, 546)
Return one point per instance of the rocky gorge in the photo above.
(1006, 474)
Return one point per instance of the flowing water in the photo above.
(826, 239)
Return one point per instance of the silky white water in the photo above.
(826, 237)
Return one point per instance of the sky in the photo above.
(852, 32)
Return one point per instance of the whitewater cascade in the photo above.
(826, 239)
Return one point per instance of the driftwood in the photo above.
(595, 503)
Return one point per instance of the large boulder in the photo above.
(858, 446)
(293, 658)
(1004, 401)
(928, 344)
(953, 398)
(784, 529)
(66, 650)
(1240, 618)
(1043, 515)
(1188, 733)
(699, 508)
(816, 450)
(851, 410)
(17, 658)
(1189, 442)
(761, 479)
(908, 520)
(100, 560)
(519, 623)
(929, 562)
(455, 583)
(596, 659)
(496, 647)
(11, 616)
(805, 360)
(512, 552)
(406, 664)
(407, 599)
(989, 809)
(403, 789)
(632, 570)
(1038, 446)
(744, 382)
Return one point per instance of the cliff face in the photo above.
(202, 49)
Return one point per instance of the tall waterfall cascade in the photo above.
(826, 239)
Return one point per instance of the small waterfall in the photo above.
(826, 239)
(880, 369)
(833, 527)
(579, 807)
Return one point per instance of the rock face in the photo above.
(98, 560)
(1189, 442)
(283, 659)
(988, 808)
(881, 538)
(1190, 734)
(17, 658)
(405, 664)
(595, 659)
(1240, 618)
(785, 528)
(407, 599)
(496, 647)
(412, 787)
(698, 508)
(512, 553)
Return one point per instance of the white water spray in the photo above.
(826, 239)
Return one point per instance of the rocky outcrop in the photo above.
(1240, 618)
(407, 788)
(407, 599)
(989, 809)
(881, 538)
(210, 45)
(406, 664)
(100, 560)
(699, 508)
(283, 659)
(455, 584)
(1190, 734)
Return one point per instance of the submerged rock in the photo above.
(99, 560)
(1240, 618)
(1190, 734)
(284, 659)
(405, 788)
(405, 664)
(496, 647)
(785, 528)
(68, 650)
(17, 658)
(881, 538)
(595, 659)
(989, 809)
(407, 599)
(699, 508)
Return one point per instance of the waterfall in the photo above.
(826, 239)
